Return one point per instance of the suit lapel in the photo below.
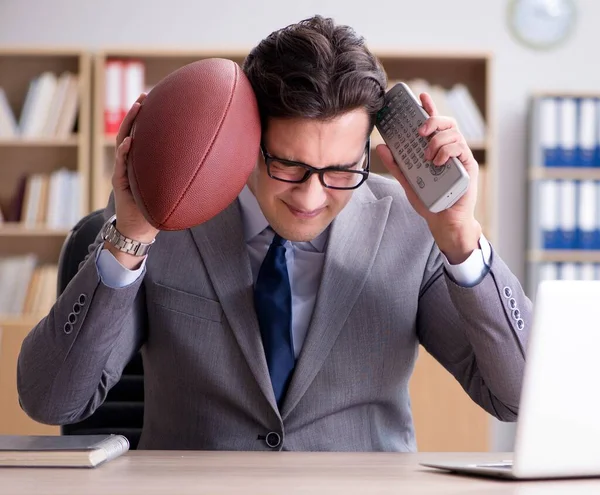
(353, 242)
(221, 245)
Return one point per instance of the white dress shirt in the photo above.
(304, 262)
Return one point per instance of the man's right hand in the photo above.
(130, 220)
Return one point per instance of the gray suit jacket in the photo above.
(383, 291)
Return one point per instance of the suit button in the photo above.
(520, 324)
(82, 299)
(68, 328)
(507, 292)
(512, 303)
(72, 318)
(516, 314)
(273, 439)
(76, 308)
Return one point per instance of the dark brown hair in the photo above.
(315, 69)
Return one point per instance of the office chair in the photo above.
(123, 410)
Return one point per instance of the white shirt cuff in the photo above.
(471, 271)
(112, 273)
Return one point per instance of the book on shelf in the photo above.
(124, 81)
(566, 215)
(26, 287)
(49, 111)
(9, 126)
(79, 451)
(49, 200)
(566, 131)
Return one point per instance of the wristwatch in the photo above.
(110, 234)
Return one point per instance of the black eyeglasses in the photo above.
(331, 177)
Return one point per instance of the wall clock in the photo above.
(541, 24)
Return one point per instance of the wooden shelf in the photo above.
(39, 142)
(21, 158)
(566, 94)
(573, 173)
(19, 230)
(564, 256)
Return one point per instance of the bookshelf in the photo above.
(43, 130)
(564, 187)
(445, 417)
(49, 139)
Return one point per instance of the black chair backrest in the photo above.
(123, 410)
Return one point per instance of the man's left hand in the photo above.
(455, 230)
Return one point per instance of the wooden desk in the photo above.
(180, 473)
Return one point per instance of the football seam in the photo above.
(193, 178)
(130, 158)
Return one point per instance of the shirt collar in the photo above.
(255, 222)
(252, 216)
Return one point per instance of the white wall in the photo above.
(398, 24)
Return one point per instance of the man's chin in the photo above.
(302, 232)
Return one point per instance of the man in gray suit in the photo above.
(292, 319)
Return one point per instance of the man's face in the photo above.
(300, 212)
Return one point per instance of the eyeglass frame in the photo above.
(310, 170)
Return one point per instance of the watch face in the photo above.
(541, 23)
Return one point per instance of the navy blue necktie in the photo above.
(273, 303)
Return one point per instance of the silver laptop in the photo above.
(558, 428)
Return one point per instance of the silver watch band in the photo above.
(111, 235)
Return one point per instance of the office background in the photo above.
(436, 25)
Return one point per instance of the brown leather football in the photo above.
(195, 140)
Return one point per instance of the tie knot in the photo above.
(278, 240)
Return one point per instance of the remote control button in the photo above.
(420, 182)
(435, 170)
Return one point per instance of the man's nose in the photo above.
(311, 194)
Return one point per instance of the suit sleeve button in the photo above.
(82, 299)
(507, 292)
(68, 328)
(520, 324)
